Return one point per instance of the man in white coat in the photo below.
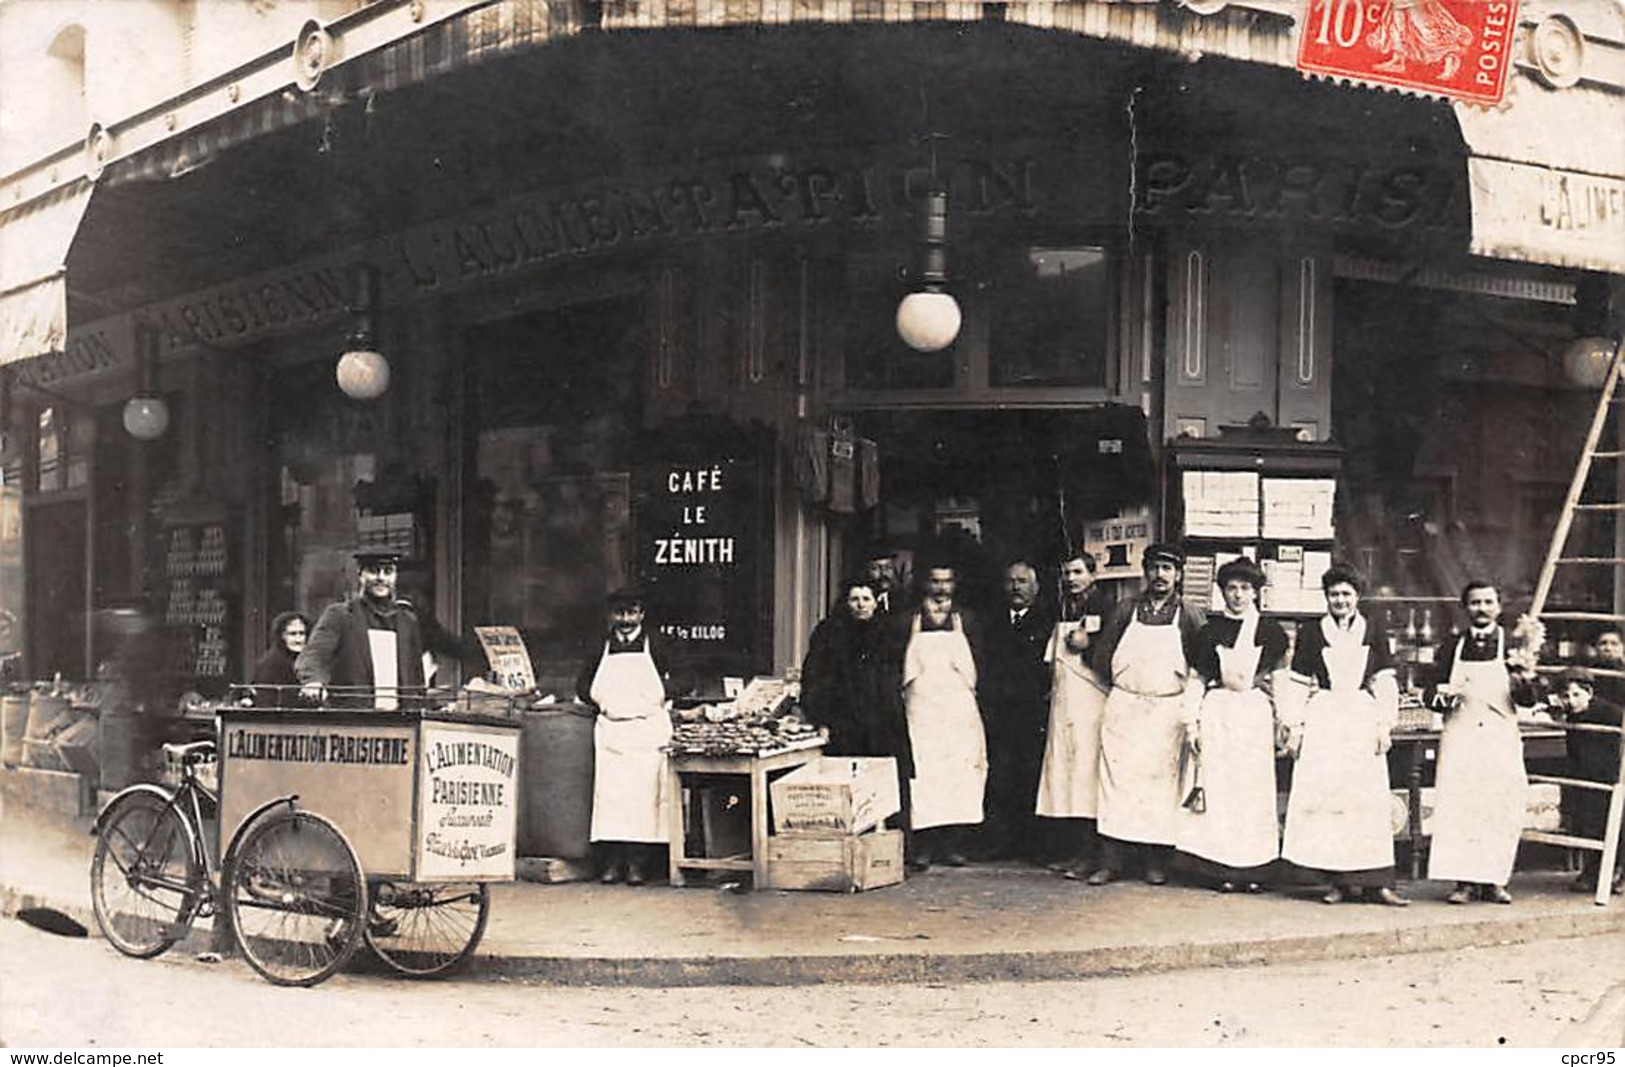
(627, 684)
(1481, 788)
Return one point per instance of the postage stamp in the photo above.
(1456, 48)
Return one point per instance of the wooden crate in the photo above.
(836, 864)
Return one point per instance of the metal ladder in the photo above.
(1572, 504)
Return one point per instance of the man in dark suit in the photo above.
(1015, 695)
(370, 646)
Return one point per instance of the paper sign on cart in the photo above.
(509, 659)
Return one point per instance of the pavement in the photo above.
(984, 922)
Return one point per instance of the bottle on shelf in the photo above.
(1426, 640)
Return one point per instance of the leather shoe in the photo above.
(635, 875)
(919, 863)
(612, 874)
(1254, 887)
(1497, 894)
(1333, 895)
(1460, 895)
(1155, 876)
(1101, 876)
(1386, 895)
(953, 859)
(1227, 887)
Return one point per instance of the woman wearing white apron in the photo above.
(1146, 645)
(1480, 785)
(1069, 784)
(1242, 658)
(944, 726)
(1338, 817)
(629, 762)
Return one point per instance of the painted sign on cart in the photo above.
(1461, 49)
(468, 802)
(359, 776)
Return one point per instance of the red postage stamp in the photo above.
(1456, 48)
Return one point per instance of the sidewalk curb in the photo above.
(949, 967)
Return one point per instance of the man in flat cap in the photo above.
(1145, 650)
(627, 683)
(370, 641)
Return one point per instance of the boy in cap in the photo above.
(369, 641)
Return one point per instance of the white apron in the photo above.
(1481, 788)
(1141, 733)
(1069, 784)
(629, 769)
(1237, 727)
(944, 728)
(1339, 816)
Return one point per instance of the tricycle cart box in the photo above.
(418, 797)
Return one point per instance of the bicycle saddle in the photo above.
(191, 751)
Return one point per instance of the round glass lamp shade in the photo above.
(363, 375)
(928, 321)
(1586, 361)
(146, 417)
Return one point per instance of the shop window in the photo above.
(1049, 317)
(64, 443)
(552, 407)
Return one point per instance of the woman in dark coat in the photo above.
(275, 669)
(851, 682)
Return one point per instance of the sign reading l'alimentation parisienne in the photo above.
(1461, 49)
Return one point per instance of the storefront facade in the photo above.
(637, 277)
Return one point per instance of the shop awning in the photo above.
(34, 242)
(1544, 190)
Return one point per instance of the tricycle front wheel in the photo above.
(423, 929)
(297, 896)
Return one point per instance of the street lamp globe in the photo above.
(363, 374)
(1586, 361)
(929, 320)
(146, 417)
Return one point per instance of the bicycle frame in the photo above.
(186, 800)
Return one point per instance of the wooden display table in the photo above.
(757, 769)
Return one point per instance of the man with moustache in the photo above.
(370, 641)
(1481, 788)
(1015, 708)
(1145, 650)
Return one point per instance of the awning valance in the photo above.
(1547, 175)
(34, 242)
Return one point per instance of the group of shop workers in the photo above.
(1100, 740)
(1094, 738)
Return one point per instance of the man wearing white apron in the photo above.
(1069, 783)
(1480, 788)
(1146, 649)
(944, 724)
(629, 799)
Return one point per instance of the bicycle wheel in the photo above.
(423, 930)
(145, 880)
(297, 898)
